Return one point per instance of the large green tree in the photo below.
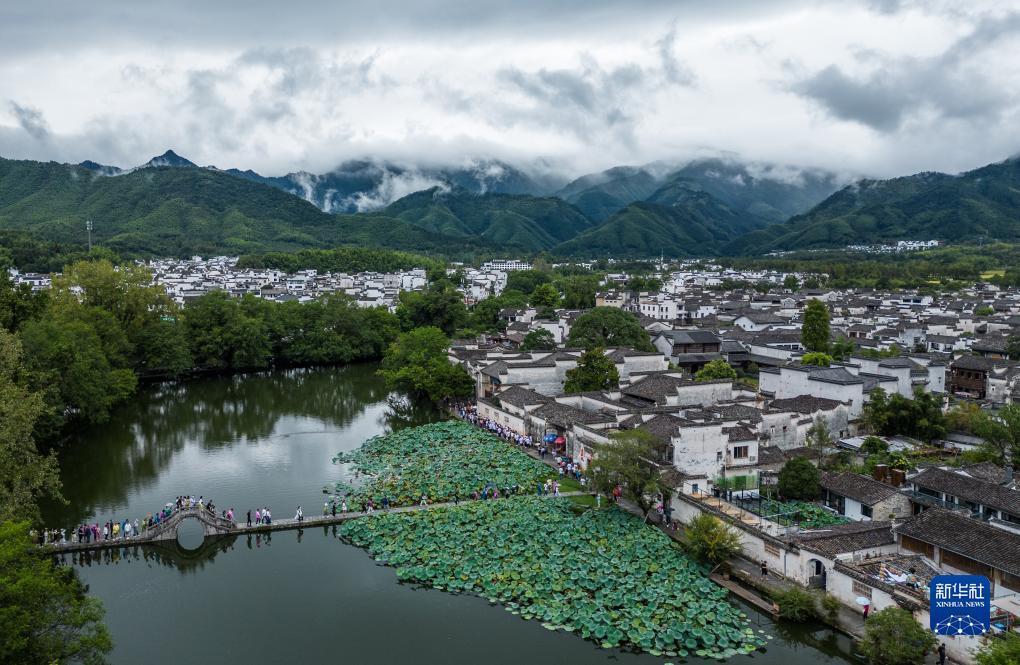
(594, 371)
(894, 637)
(799, 479)
(921, 417)
(417, 362)
(1003, 649)
(814, 334)
(1001, 431)
(711, 540)
(45, 614)
(526, 281)
(714, 370)
(627, 461)
(440, 305)
(539, 339)
(609, 326)
(25, 475)
(224, 334)
(545, 295)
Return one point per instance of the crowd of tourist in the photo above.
(126, 529)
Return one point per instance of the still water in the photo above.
(297, 596)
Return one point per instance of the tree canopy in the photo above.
(893, 637)
(814, 334)
(439, 305)
(921, 417)
(711, 540)
(417, 362)
(715, 369)
(594, 371)
(609, 326)
(45, 615)
(799, 479)
(539, 339)
(628, 461)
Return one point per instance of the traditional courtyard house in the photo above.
(759, 320)
(510, 407)
(690, 350)
(833, 383)
(968, 375)
(958, 544)
(862, 498)
(785, 422)
(959, 491)
(812, 564)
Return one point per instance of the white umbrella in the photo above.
(861, 600)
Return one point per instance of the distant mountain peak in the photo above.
(100, 169)
(169, 158)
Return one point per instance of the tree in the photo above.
(790, 283)
(25, 475)
(1001, 431)
(921, 417)
(417, 362)
(539, 339)
(893, 637)
(627, 461)
(1013, 347)
(815, 333)
(816, 358)
(818, 437)
(68, 354)
(842, 348)
(578, 291)
(798, 479)
(609, 326)
(1003, 650)
(796, 604)
(643, 283)
(711, 540)
(526, 281)
(45, 614)
(594, 371)
(545, 295)
(963, 417)
(873, 445)
(715, 369)
(440, 305)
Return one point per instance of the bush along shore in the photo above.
(602, 574)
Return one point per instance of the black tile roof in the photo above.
(805, 404)
(857, 487)
(842, 538)
(970, 489)
(968, 537)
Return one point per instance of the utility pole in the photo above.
(88, 227)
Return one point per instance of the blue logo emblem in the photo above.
(960, 604)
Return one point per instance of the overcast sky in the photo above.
(882, 88)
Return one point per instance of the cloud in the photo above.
(956, 84)
(675, 71)
(879, 88)
(31, 120)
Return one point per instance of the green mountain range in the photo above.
(170, 206)
(697, 226)
(173, 211)
(528, 223)
(979, 204)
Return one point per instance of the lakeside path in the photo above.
(282, 524)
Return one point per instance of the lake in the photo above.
(266, 439)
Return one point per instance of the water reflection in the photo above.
(271, 419)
